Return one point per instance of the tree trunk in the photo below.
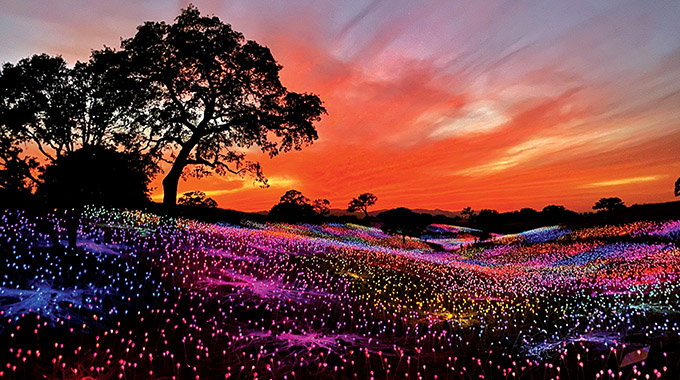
(72, 218)
(171, 180)
(170, 183)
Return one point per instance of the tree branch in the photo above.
(42, 150)
(185, 115)
(214, 164)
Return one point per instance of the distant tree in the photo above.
(468, 213)
(677, 188)
(487, 211)
(362, 203)
(214, 95)
(522, 220)
(554, 209)
(197, 199)
(487, 219)
(527, 211)
(94, 176)
(609, 204)
(404, 222)
(322, 207)
(293, 207)
(556, 214)
(294, 197)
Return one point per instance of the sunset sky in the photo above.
(439, 104)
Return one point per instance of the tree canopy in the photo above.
(322, 207)
(59, 110)
(197, 199)
(468, 213)
(213, 96)
(404, 222)
(609, 204)
(677, 188)
(94, 175)
(98, 176)
(362, 203)
(293, 207)
(487, 219)
(294, 197)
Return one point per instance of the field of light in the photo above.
(152, 297)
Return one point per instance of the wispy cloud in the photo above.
(626, 181)
(481, 117)
(541, 150)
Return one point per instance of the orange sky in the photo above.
(438, 104)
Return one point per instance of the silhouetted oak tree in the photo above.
(214, 96)
(362, 203)
(677, 188)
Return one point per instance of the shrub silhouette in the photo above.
(94, 176)
(609, 204)
(197, 199)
